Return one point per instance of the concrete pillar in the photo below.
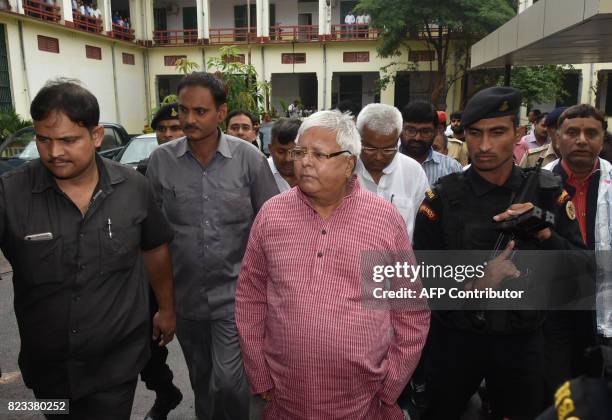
(17, 6)
(259, 16)
(387, 96)
(107, 15)
(265, 19)
(205, 19)
(66, 10)
(136, 20)
(200, 18)
(322, 17)
(148, 21)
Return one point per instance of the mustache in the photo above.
(189, 126)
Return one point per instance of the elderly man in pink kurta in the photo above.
(311, 349)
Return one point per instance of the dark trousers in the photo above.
(458, 361)
(156, 374)
(567, 335)
(217, 376)
(110, 404)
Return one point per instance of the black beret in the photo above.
(166, 112)
(553, 117)
(492, 102)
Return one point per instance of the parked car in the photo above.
(138, 149)
(20, 147)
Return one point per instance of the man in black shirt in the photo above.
(79, 230)
(503, 347)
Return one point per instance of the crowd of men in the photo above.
(357, 26)
(257, 263)
(87, 9)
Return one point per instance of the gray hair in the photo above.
(347, 136)
(381, 118)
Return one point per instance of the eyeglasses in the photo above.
(386, 151)
(426, 133)
(299, 154)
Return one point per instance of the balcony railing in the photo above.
(231, 35)
(173, 37)
(86, 23)
(42, 10)
(353, 32)
(121, 32)
(288, 33)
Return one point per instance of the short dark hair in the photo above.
(420, 112)
(237, 112)
(456, 115)
(206, 80)
(285, 130)
(68, 97)
(540, 117)
(536, 112)
(583, 111)
(348, 106)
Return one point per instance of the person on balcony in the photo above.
(96, 12)
(360, 20)
(349, 21)
(74, 5)
(81, 9)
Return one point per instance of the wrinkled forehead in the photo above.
(318, 137)
(581, 123)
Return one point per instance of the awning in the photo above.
(550, 32)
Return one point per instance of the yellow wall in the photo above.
(125, 100)
(30, 73)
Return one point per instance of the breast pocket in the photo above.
(119, 249)
(236, 206)
(182, 205)
(406, 208)
(40, 261)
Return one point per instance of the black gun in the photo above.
(527, 224)
(523, 226)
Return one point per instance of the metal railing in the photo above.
(42, 10)
(294, 33)
(175, 36)
(231, 35)
(86, 23)
(121, 32)
(343, 32)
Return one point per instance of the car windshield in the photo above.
(22, 146)
(139, 149)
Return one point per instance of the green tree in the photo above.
(10, 122)
(448, 27)
(244, 92)
(538, 84)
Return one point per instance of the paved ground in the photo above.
(11, 383)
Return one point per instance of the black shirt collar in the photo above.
(43, 179)
(481, 186)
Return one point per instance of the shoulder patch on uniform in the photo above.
(430, 194)
(570, 210)
(563, 198)
(428, 212)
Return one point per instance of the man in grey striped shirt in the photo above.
(420, 127)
